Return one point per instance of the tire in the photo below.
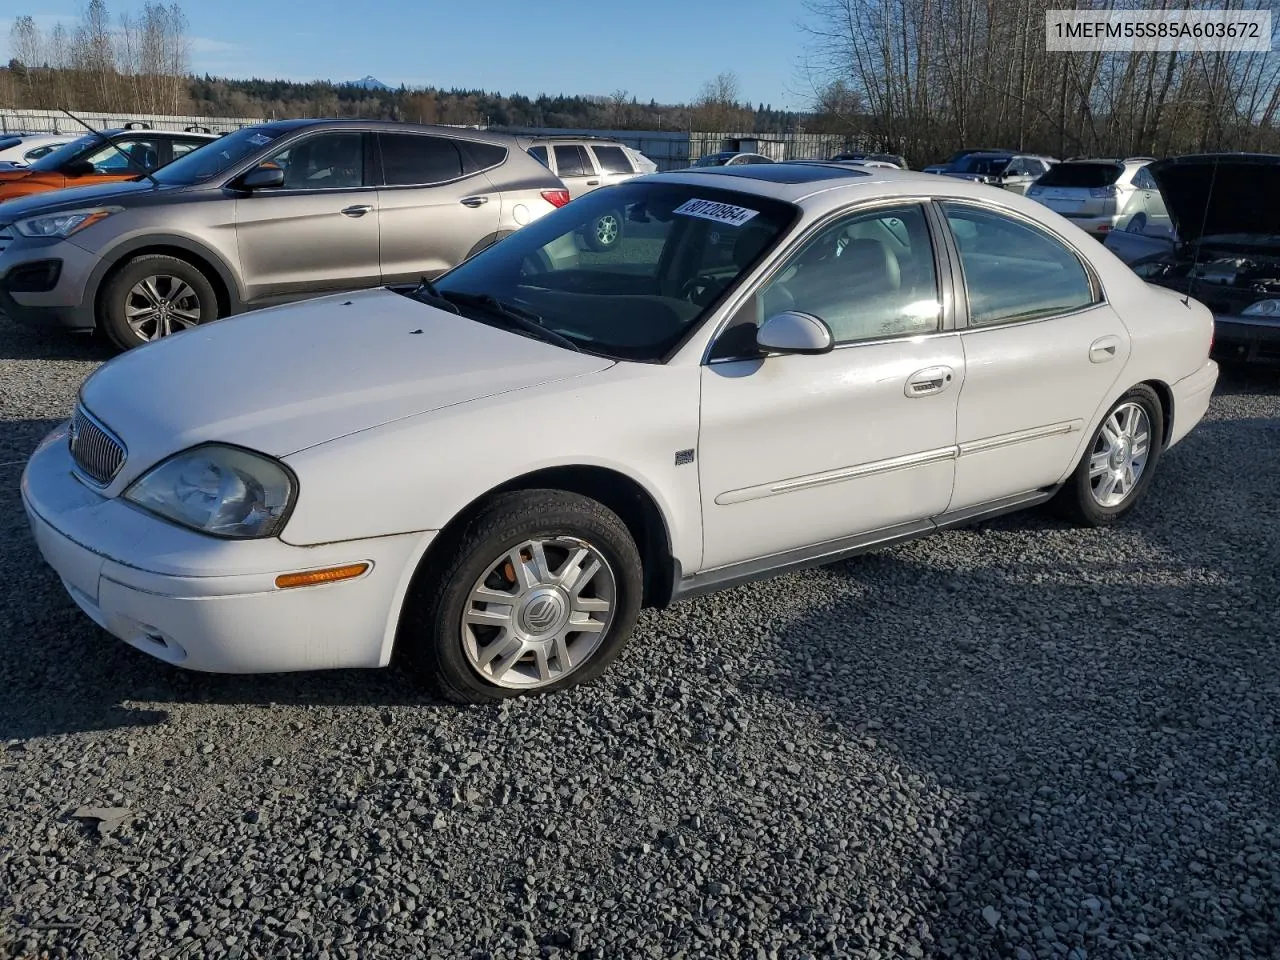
(186, 298)
(605, 232)
(1137, 223)
(478, 651)
(1084, 498)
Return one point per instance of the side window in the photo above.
(1143, 180)
(571, 161)
(182, 147)
(480, 156)
(540, 154)
(328, 161)
(612, 160)
(868, 276)
(1013, 271)
(141, 153)
(410, 160)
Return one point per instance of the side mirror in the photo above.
(793, 332)
(78, 168)
(262, 178)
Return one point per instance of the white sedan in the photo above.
(780, 365)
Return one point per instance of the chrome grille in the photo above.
(6, 236)
(97, 453)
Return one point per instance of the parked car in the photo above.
(22, 149)
(1010, 171)
(1224, 247)
(892, 159)
(111, 157)
(730, 158)
(584, 164)
(492, 474)
(269, 213)
(960, 155)
(1101, 194)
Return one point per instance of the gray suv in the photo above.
(264, 215)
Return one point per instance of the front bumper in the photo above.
(64, 304)
(1191, 397)
(208, 604)
(1247, 339)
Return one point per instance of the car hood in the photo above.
(287, 378)
(71, 198)
(1214, 194)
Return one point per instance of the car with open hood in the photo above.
(1224, 247)
(493, 472)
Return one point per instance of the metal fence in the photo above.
(55, 121)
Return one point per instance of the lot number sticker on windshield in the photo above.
(719, 212)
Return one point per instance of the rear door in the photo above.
(435, 204)
(576, 168)
(1042, 352)
(318, 232)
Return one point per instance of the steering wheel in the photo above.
(701, 289)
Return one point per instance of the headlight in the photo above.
(63, 224)
(1263, 308)
(219, 490)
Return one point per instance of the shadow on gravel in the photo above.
(22, 342)
(1114, 721)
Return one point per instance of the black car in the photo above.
(1225, 251)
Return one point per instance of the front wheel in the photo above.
(1117, 467)
(540, 593)
(153, 296)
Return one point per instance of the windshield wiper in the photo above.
(526, 320)
(426, 292)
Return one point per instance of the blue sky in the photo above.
(660, 49)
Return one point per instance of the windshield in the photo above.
(714, 160)
(1081, 175)
(216, 156)
(681, 248)
(987, 166)
(52, 162)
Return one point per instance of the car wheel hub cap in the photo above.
(538, 612)
(1119, 456)
(160, 305)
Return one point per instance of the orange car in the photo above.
(92, 159)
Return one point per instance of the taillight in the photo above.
(557, 198)
(1103, 191)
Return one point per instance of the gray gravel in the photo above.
(1015, 741)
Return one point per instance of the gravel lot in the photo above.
(1016, 741)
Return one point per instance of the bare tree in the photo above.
(717, 109)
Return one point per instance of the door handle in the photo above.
(1104, 349)
(473, 201)
(359, 210)
(593, 183)
(929, 382)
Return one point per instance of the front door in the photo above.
(431, 214)
(797, 451)
(318, 232)
(1042, 353)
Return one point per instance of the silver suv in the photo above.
(585, 164)
(267, 214)
(1101, 195)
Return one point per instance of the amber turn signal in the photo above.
(309, 578)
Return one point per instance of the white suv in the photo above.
(586, 163)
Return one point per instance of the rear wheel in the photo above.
(1116, 469)
(540, 593)
(604, 232)
(1137, 223)
(153, 296)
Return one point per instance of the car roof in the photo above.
(457, 133)
(149, 131)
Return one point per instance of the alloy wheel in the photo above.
(159, 305)
(1119, 454)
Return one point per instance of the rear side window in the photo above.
(1143, 180)
(409, 159)
(183, 147)
(571, 161)
(612, 160)
(540, 154)
(1082, 175)
(481, 156)
(1012, 271)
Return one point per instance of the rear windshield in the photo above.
(1081, 175)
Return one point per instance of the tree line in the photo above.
(926, 76)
